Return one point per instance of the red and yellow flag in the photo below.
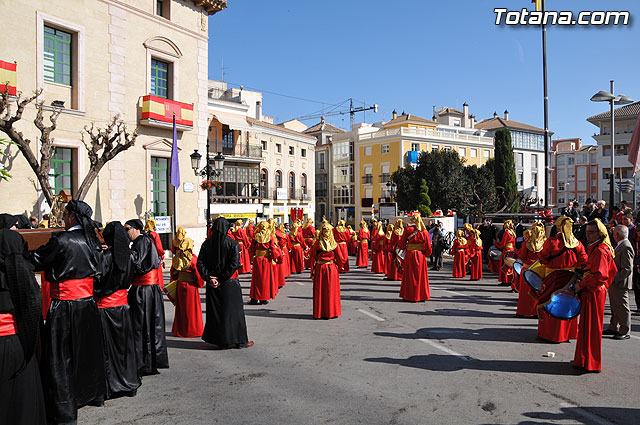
(8, 77)
(160, 109)
(538, 4)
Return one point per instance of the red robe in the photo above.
(353, 243)
(284, 264)
(460, 255)
(240, 236)
(160, 249)
(362, 258)
(593, 296)
(298, 246)
(342, 253)
(415, 278)
(475, 253)
(250, 232)
(308, 233)
(549, 327)
(187, 322)
(507, 244)
(527, 299)
(264, 287)
(326, 284)
(378, 258)
(393, 273)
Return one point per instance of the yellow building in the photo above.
(140, 59)
(398, 143)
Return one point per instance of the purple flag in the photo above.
(174, 169)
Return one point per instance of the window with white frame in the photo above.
(486, 153)
(462, 152)
(534, 161)
(303, 153)
(367, 151)
(435, 148)
(385, 148)
(278, 147)
(519, 159)
(473, 153)
(415, 146)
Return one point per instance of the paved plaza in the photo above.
(460, 358)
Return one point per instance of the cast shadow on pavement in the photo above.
(483, 334)
(458, 312)
(449, 363)
(263, 312)
(481, 300)
(190, 344)
(391, 291)
(585, 415)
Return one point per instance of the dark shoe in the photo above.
(264, 302)
(621, 337)
(98, 402)
(253, 302)
(247, 345)
(610, 332)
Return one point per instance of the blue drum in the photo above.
(533, 279)
(517, 267)
(563, 305)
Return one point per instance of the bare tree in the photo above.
(102, 144)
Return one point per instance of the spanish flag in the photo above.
(160, 109)
(8, 77)
(538, 4)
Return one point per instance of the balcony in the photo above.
(158, 112)
(238, 150)
(430, 135)
(367, 178)
(366, 202)
(384, 178)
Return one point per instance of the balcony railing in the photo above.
(366, 202)
(384, 178)
(367, 178)
(441, 135)
(238, 150)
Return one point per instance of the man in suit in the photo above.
(620, 324)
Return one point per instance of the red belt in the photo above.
(116, 299)
(7, 324)
(71, 289)
(150, 278)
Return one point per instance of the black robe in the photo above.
(220, 257)
(121, 367)
(147, 310)
(21, 399)
(72, 366)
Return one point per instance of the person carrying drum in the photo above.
(507, 245)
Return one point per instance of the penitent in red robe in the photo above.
(475, 252)
(506, 244)
(342, 252)
(326, 284)
(240, 236)
(390, 245)
(460, 255)
(527, 299)
(298, 246)
(362, 258)
(263, 284)
(415, 277)
(593, 296)
(378, 257)
(160, 249)
(285, 263)
(554, 256)
(308, 233)
(187, 322)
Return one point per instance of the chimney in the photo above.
(465, 115)
(506, 115)
(259, 110)
(472, 121)
(395, 114)
(495, 114)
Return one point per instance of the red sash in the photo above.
(150, 278)
(71, 289)
(116, 299)
(7, 324)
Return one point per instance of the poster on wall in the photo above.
(163, 223)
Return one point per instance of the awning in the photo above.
(235, 122)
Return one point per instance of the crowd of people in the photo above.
(99, 312)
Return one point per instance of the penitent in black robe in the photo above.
(147, 310)
(72, 366)
(121, 367)
(21, 399)
(220, 257)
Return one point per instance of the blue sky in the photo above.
(412, 55)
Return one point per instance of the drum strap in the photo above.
(562, 251)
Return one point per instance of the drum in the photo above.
(563, 305)
(517, 266)
(495, 253)
(509, 261)
(170, 291)
(533, 279)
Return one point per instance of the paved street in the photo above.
(461, 358)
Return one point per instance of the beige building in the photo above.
(142, 60)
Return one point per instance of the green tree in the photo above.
(424, 202)
(444, 174)
(407, 190)
(479, 198)
(505, 171)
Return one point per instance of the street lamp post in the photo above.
(605, 96)
(207, 172)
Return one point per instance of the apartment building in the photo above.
(625, 119)
(575, 171)
(142, 60)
